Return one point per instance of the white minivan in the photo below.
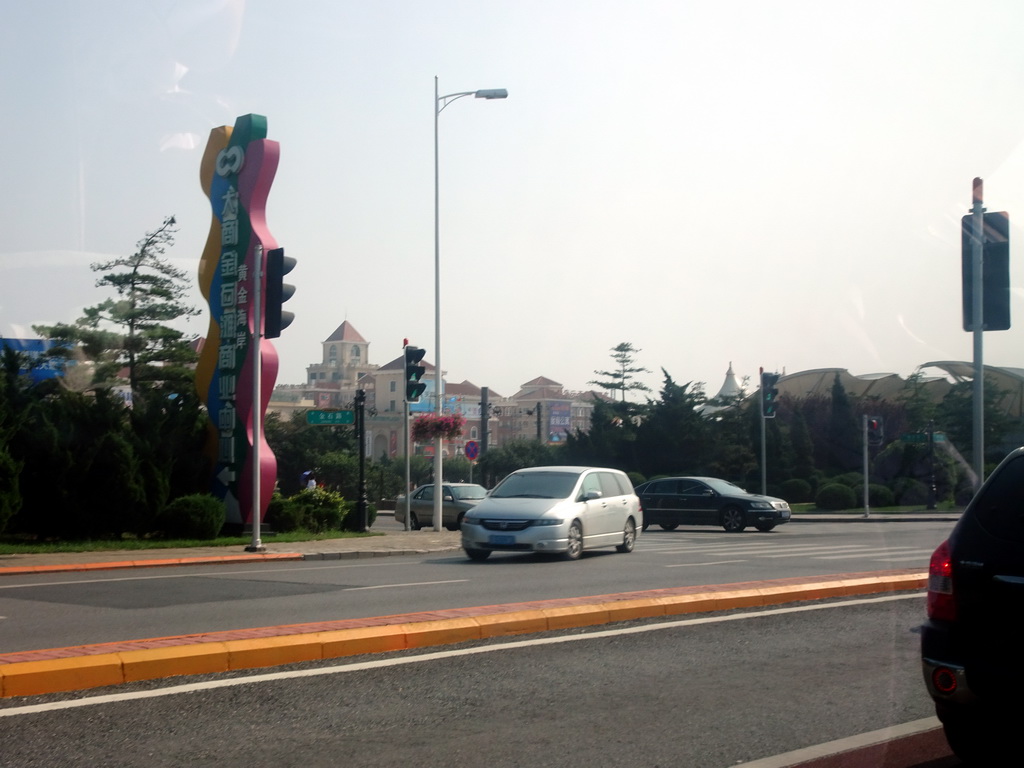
(554, 509)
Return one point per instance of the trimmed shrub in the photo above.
(635, 478)
(835, 496)
(314, 509)
(878, 496)
(849, 479)
(199, 516)
(283, 517)
(795, 490)
(910, 492)
(348, 522)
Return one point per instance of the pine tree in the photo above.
(622, 379)
(130, 332)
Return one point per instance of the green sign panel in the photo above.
(318, 418)
(922, 437)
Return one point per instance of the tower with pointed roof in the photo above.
(346, 359)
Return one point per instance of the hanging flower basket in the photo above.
(430, 426)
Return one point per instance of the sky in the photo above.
(761, 184)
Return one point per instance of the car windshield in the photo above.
(724, 486)
(536, 485)
(469, 492)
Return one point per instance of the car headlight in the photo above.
(467, 520)
(760, 505)
(548, 521)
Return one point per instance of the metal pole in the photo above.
(931, 465)
(408, 471)
(438, 371)
(256, 545)
(977, 322)
(864, 429)
(764, 454)
(362, 515)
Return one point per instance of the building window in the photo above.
(394, 386)
(334, 352)
(472, 433)
(392, 406)
(355, 353)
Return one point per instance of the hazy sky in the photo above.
(774, 184)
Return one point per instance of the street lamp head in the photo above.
(491, 93)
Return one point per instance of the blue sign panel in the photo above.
(40, 368)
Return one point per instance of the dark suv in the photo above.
(971, 643)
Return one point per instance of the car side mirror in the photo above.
(591, 495)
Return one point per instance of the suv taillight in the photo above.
(940, 585)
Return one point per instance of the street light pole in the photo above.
(440, 102)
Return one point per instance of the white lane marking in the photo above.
(779, 551)
(188, 575)
(875, 555)
(409, 584)
(427, 657)
(798, 756)
(716, 562)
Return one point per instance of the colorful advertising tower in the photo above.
(237, 171)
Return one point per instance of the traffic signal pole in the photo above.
(977, 320)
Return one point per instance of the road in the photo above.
(46, 611)
(708, 691)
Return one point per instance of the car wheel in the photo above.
(575, 547)
(478, 555)
(414, 522)
(764, 527)
(668, 526)
(628, 537)
(975, 739)
(457, 525)
(733, 520)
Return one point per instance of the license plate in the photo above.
(501, 540)
(785, 514)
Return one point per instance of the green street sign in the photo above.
(922, 437)
(322, 418)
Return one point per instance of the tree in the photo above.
(674, 437)
(622, 379)
(150, 294)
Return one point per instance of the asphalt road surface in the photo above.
(714, 690)
(47, 611)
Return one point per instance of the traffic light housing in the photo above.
(769, 394)
(876, 430)
(413, 373)
(995, 281)
(277, 292)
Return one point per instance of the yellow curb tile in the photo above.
(740, 598)
(155, 663)
(513, 623)
(627, 610)
(441, 632)
(569, 616)
(31, 678)
(695, 603)
(359, 640)
(273, 651)
(779, 595)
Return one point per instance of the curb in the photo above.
(31, 673)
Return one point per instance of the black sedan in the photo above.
(674, 501)
(971, 642)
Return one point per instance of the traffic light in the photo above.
(413, 373)
(995, 281)
(277, 292)
(769, 394)
(876, 432)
